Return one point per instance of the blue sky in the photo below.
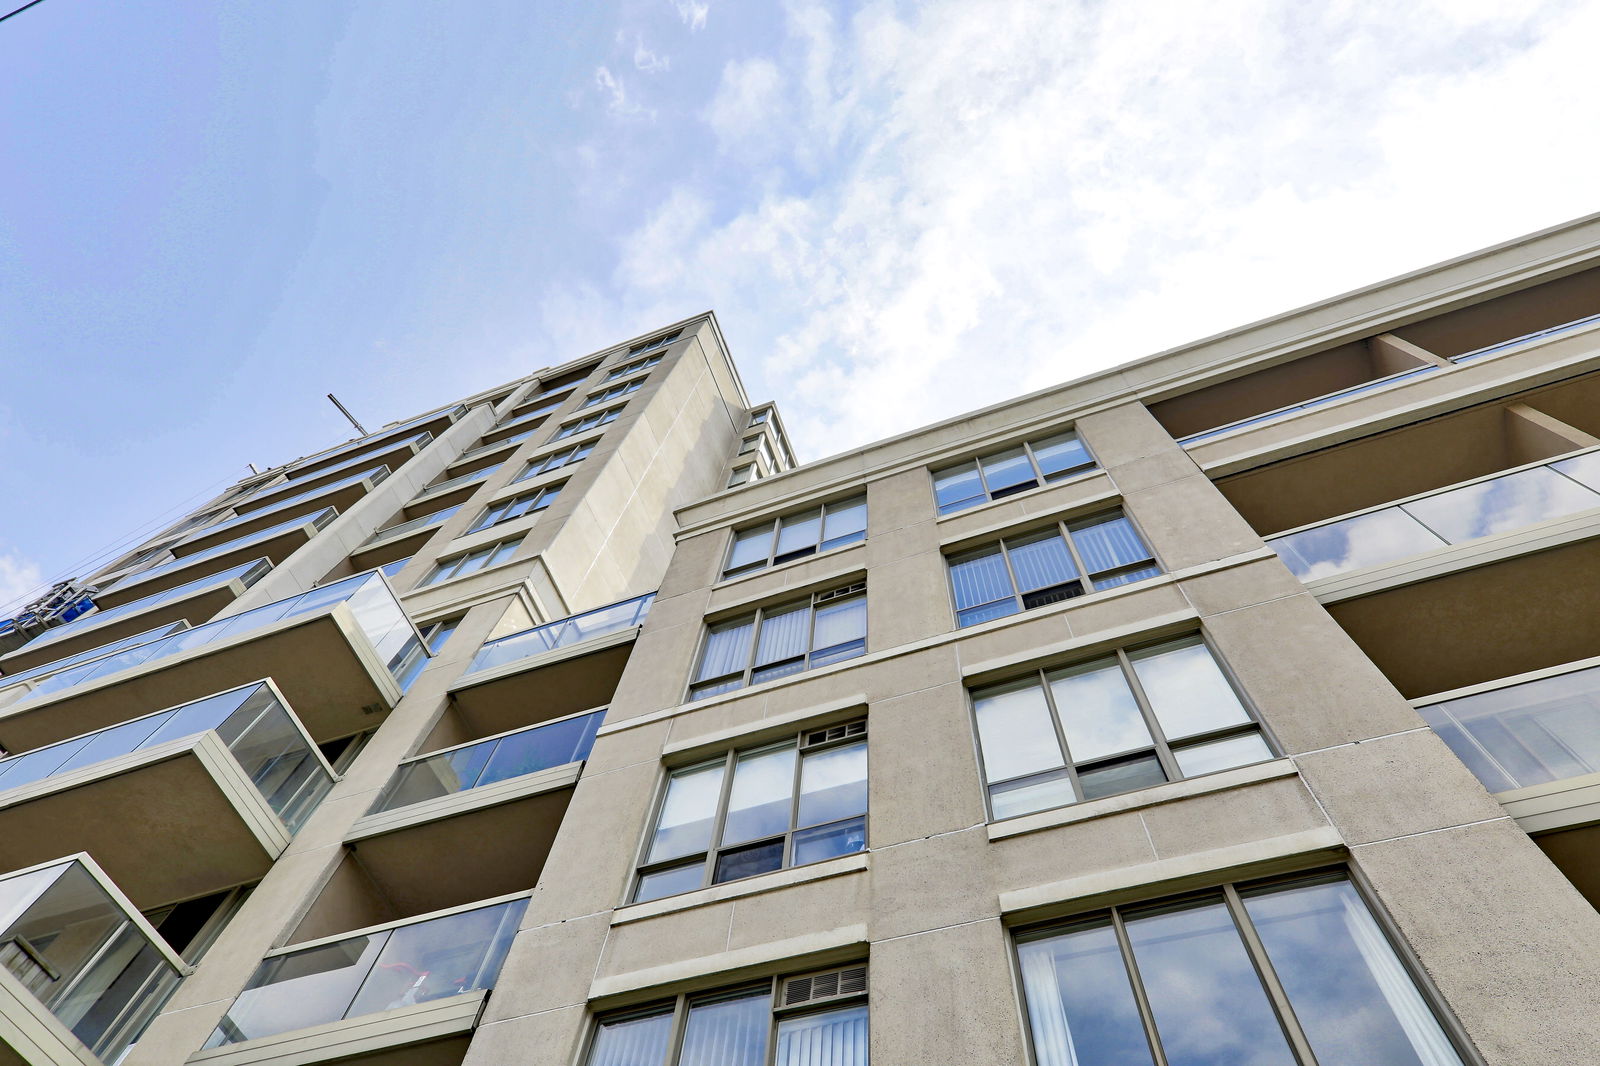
(213, 214)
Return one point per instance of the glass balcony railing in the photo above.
(1306, 405)
(376, 473)
(79, 949)
(267, 741)
(563, 632)
(1528, 733)
(470, 766)
(248, 573)
(376, 611)
(385, 969)
(381, 437)
(1500, 346)
(1495, 504)
(400, 529)
(91, 654)
(317, 519)
(458, 481)
(496, 445)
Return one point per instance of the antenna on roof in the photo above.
(342, 410)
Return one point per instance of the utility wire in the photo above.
(20, 10)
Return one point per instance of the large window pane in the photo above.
(1008, 471)
(980, 578)
(783, 635)
(728, 1031)
(1015, 731)
(727, 649)
(1081, 1009)
(1041, 561)
(750, 549)
(633, 1041)
(799, 531)
(958, 487)
(833, 784)
(846, 521)
(840, 622)
(1098, 712)
(1352, 997)
(1061, 454)
(758, 804)
(831, 1038)
(688, 813)
(1186, 689)
(1108, 543)
(1209, 1006)
(1210, 756)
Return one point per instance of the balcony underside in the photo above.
(274, 549)
(343, 497)
(187, 823)
(1576, 852)
(1474, 626)
(543, 687)
(323, 665)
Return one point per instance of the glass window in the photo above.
(760, 417)
(461, 565)
(517, 506)
(1300, 970)
(796, 536)
(829, 627)
(658, 342)
(763, 1024)
(740, 475)
(632, 368)
(1127, 721)
(620, 389)
(434, 636)
(1016, 469)
(755, 811)
(588, 422)
(555, 461)
(1036, 569)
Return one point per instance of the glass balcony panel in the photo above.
(1364, 540)
(37, 765)
(316, 518)
(249, 573)
(563, 632)
(110, 743)
(541, 748)
(379, 615)
(376, 473)
(1584, 469)
(384, 970)
(1528, 734)
(444, 957)
(88, 654)
(82, 956)
(438, 775)
(1504, 345)
(1501, 504)
(402, 528)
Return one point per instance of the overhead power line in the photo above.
(20, 10)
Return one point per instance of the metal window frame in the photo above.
(758, 619)
(611, 392)
(632, 367)
(658, 342)
(450, 569)
(776, 529)
(594, 421)
(1230, 895)
(1160, 746)
(546, 463)
(679, 1005)
(1063, 528)
(501, 510)
(729, 761)
(1040, 479)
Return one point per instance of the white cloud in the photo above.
(615, 94)
(20, 580)
(693, 12)
(948, 204)
(647, 61)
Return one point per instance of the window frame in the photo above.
(438, 575)
(541, 498)
(611, 392)
(749, 472)
(681, 1003)
(729, 761)
(655, 342)
(541, 465)
(1159, 745)
(1277, 995)
(576, 426)
(1062, 527)
(1027, 446)
(757, 619)
(633, 366)
(775, 529)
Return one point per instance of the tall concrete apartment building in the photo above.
(1239, 706)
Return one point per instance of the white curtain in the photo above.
(727, 650)
(1047, 1015)
(783, 635)
(833, 1038)
(1109, 544)
(632, 1042)
(1421, 1027)
(980, 579)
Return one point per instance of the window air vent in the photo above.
(821, 987)
(849, 730)
(824, 597)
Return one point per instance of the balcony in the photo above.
(333, 652)
(207, 794)
(569, 665)
(1485, 507)
(191, 603)
(83, 972)
(392, 455)
(414, 984)
(274, 543)
(401, 531)
(1506, 322)
(1534, 741)
(450, 489)
(340, 494)
(431, 424)
(102, 651)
